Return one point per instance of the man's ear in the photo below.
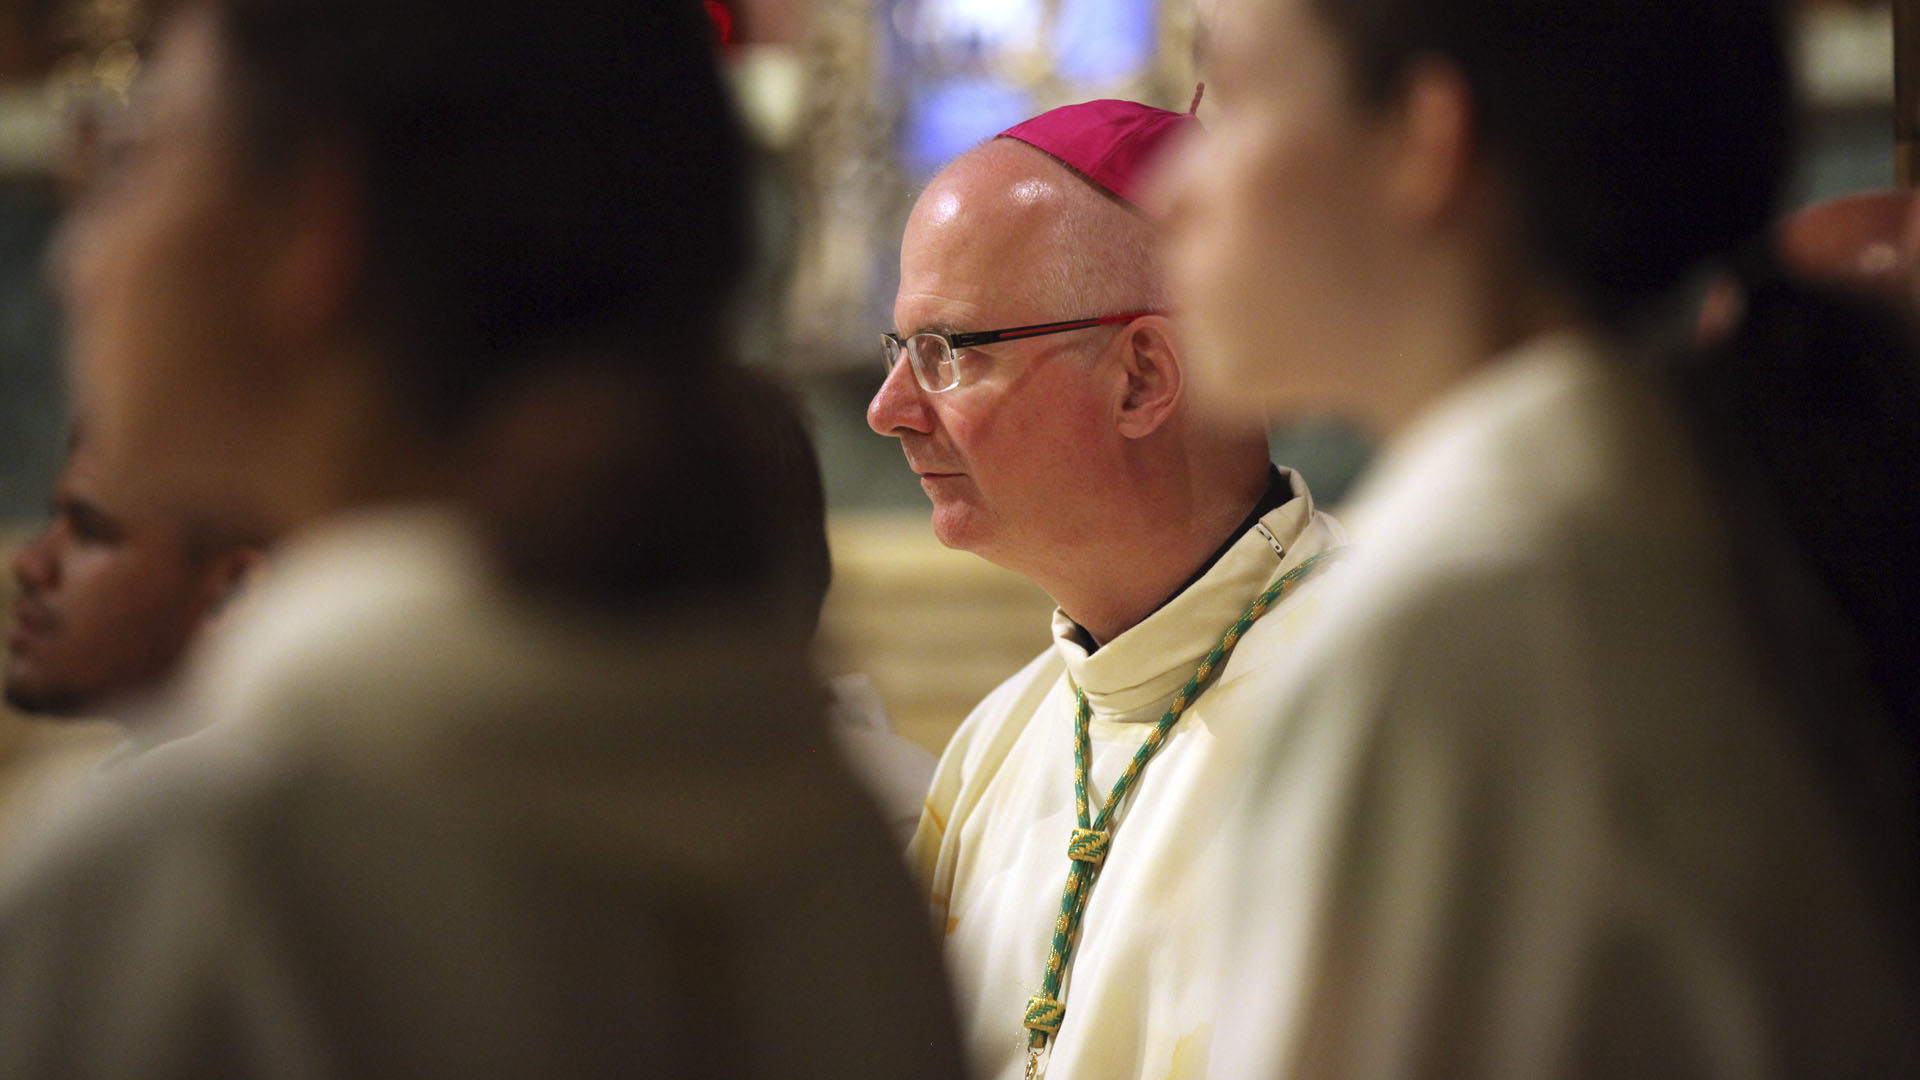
(229, 574)
(1431, 167)
(313, 280)
(1154, 378)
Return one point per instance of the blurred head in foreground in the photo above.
(1510, 167)
(366, 260)
(1399, 192)
(357, 252)
(112, 591)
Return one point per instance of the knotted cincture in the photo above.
(1044, 1014)
(1087, 846)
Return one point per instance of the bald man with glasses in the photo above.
(1036, 382)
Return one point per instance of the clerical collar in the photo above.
(1278, 494)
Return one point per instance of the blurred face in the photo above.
(163, 272)
(1277, 242)
(1003, 455)
(108, 596)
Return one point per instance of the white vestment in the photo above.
(992, 845)
(895, 770)
(1530, 801)
(436, 830)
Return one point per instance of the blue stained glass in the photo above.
(951, 116)
(1103, 41)
(983, 24)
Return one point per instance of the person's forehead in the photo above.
(980, 238)
(1003, 183)
(111, 489)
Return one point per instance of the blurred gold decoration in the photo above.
(89, 84)
(851, 199)
(102, 37)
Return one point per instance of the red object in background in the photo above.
(1869, 241)
(723, 22)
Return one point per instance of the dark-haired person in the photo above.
(502, 775)
(1588, 769)
(770, 426)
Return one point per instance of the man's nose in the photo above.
(900, 406)
(33, 565)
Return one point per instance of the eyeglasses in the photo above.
(932, 353)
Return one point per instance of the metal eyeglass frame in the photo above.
(896, 346)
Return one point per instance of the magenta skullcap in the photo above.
(1110, 142)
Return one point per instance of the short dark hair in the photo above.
(554, 196)
(782, 477)
(1641, 136)
(536, 174)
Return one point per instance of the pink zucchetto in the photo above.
(1110, 142)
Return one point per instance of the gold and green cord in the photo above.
(1088, 844)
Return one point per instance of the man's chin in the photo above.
(50, 703)
(960, 527)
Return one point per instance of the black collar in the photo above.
(1278, 494)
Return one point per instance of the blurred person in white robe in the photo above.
(1600, 762)
(503, 773)
(1069, 452)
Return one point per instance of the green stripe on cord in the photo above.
(1088, 845)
